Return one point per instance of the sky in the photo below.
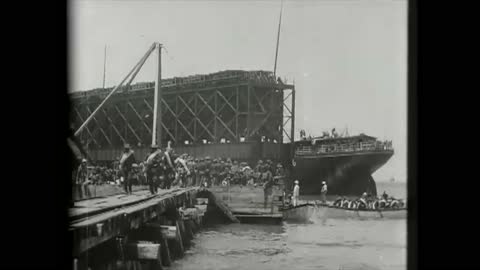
(347, 58)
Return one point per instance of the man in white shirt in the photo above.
(323, 192)
(296, 193)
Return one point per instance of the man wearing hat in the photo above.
(269, 166)
(169, 166)
(182, 169)
(81, 178)
(191, 168)
(267, 180)
(81, 172)
(296, 193)
(259, 165)
(153, 168)
(279, 174)
(126, 162)
(208, 171)
(323, 192)
(214, 172)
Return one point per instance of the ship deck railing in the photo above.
(343, 148)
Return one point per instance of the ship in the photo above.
(345, 163)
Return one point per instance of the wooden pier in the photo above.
(139, 231)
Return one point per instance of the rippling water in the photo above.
(330, 244)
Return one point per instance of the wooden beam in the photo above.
(175, 115)
(175, 91)
(215, 131)
(86, 128)
(179, 240)
(157, 110)
(200, 122)
(99, 126)
(186, 105)
(177, 119)
(225, 104)
(292, 131)
(261, 123)
(195, 117)
(202, 108)
(169, 133)
(113, 126)
(189, 228)
(289, 94)
(140, 117)
(176, 122)
(165, 252)
(267, 93)
(259, 102)
(195, 108)
(285, 106)
(226, 127)
(216, 117)
(148, 105)
(128, 125)
(183, 232)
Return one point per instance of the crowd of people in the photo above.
(164, 168)
(371, 202)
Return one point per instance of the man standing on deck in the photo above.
(170, 169)
(296, 193)
(323, 192)
(152, 168)
(208, 171)
(182, 169)
(267, 185)
(82, 177)
(126, 162)
(81, 173)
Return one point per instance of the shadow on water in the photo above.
(292, 222)
(357, 266)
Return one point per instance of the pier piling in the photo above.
(140, 232)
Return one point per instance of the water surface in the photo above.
(323, 244)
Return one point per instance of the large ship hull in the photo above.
(345, 174)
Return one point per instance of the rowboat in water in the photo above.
(299, 213)
(330, 211)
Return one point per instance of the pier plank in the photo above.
(93, 206)
(123, 218)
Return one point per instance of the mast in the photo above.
(157, 112)
(278, 40)
(104, 65)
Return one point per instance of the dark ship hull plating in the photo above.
(345, 173)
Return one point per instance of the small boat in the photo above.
(299, 213)
(329, 211)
